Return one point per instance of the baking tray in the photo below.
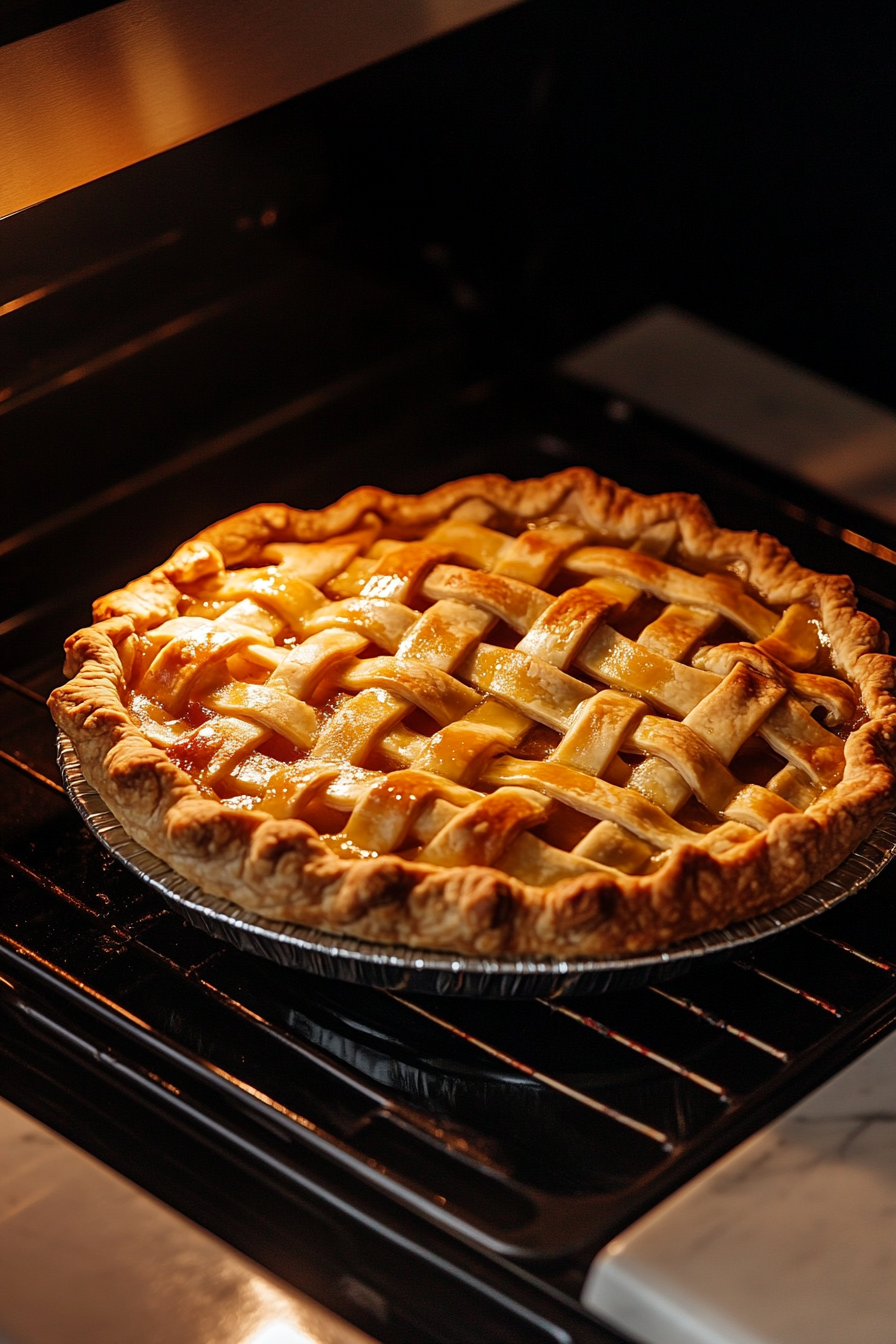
(341, 957)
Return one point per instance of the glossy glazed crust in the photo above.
(284, 871)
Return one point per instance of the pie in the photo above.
(548, 716)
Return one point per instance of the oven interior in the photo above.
(274, 313)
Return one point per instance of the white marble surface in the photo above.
(88, 1258)
(790, 1239)
(741, 395)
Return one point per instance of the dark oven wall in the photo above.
(526, 181)
(577, 162)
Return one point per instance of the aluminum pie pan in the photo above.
(341, 957)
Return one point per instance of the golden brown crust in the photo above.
(283, 870)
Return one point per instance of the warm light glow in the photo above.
(280, 1332)
(88, 97)
(272, 1317)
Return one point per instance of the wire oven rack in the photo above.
(492, 1146)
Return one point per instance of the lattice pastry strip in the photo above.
(550, 698)
(682, 758)
(298, 683)
(434, 635)
(527, 679)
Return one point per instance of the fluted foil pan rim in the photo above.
(340, 956)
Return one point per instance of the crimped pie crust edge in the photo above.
(281, 869)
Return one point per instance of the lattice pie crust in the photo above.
(541, 716)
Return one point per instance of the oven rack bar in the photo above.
(627, 1041)
(593, 1024)
(715, 1057)
(545, 1079)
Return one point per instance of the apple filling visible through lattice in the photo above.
(535, 703)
